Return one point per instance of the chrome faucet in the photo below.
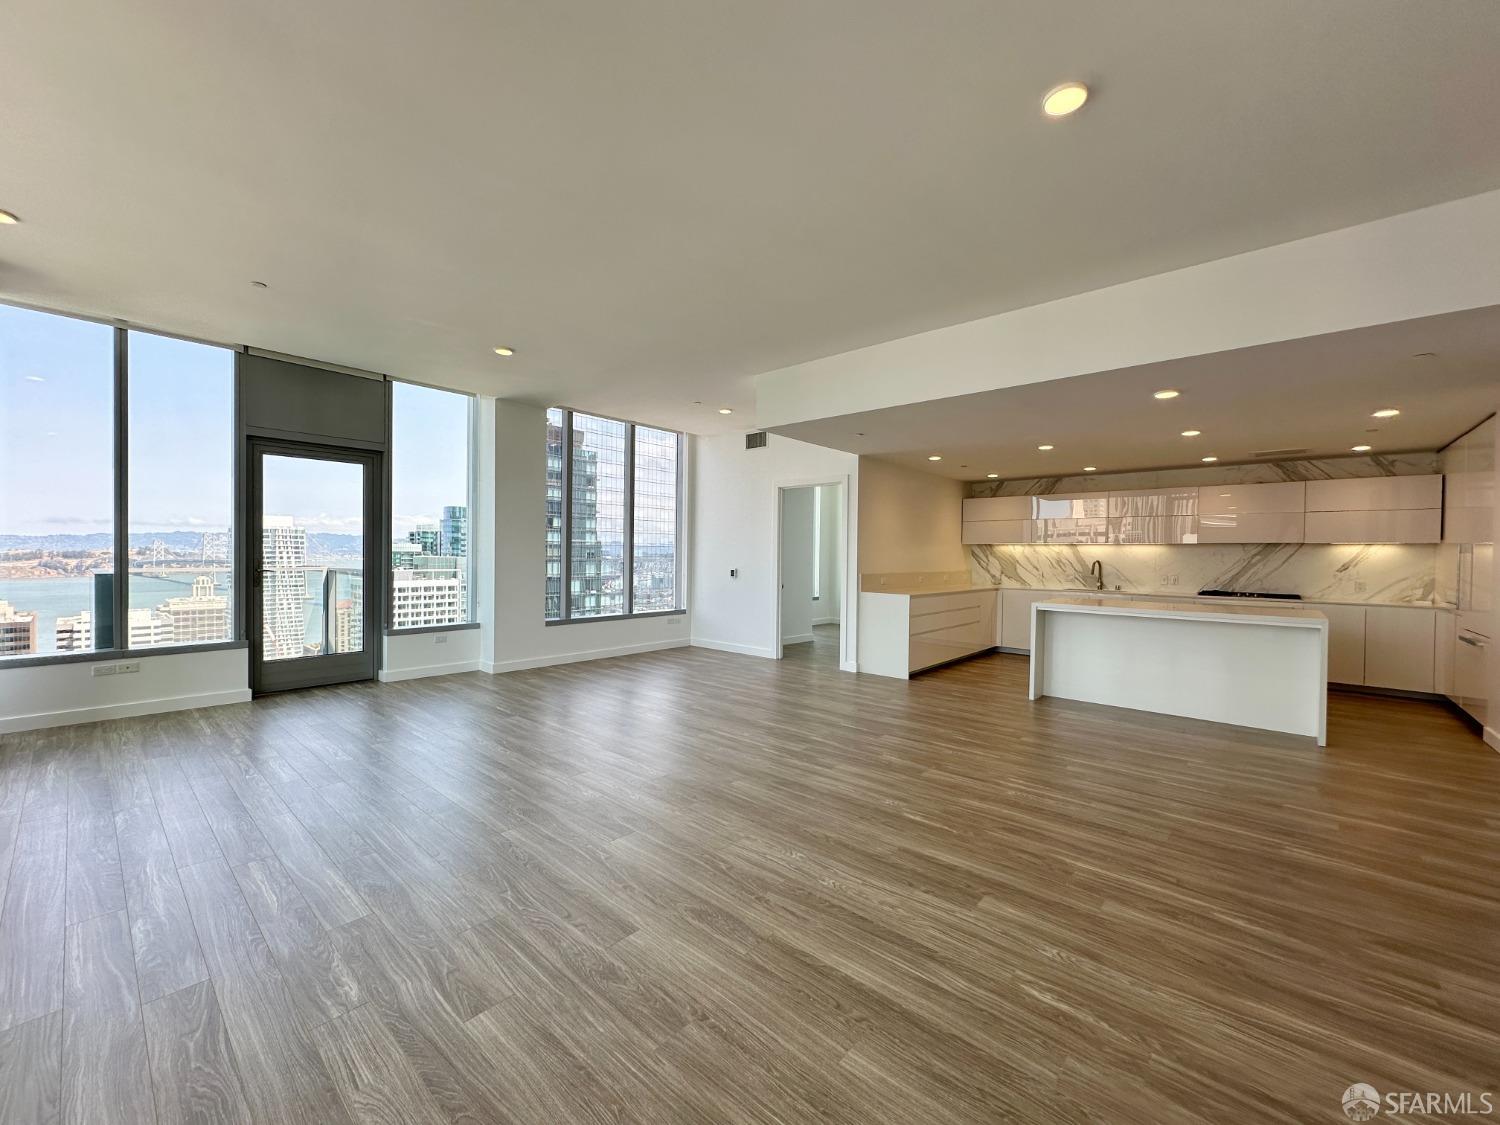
(1096, 568)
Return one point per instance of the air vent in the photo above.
(757, 440)
(1278, 454)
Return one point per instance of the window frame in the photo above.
(120, 460)
(471, 484)
(628, 551)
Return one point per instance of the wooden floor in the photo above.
(693, 887)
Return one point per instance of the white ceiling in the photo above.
(654, 201)
(1317, 393)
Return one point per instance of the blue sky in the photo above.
(56, 380)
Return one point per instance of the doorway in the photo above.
(314, 605)
(810, 610)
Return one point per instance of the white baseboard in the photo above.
(827, 621)
(395, 675)
(501, 666)
(731, 646)
(848, 666)
(123, 710)
(1492, 738)
(799, 639)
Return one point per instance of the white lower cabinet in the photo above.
(1015, 616)
(1445, 636)
(1399, 647)
(1346, 642)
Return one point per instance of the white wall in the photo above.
(908, 521)
(830, 555)
(511, 574)
(1436, 260)
(408, 656)
(50, 695)
(734, 519)
(799, 555)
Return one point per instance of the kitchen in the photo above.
(1393, 551)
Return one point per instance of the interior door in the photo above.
(315, 576)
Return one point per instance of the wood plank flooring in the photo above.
(691, 886)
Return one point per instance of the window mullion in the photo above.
(120, 616)
(629, 531)
(565, 608)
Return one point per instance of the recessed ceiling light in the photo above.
(1191, 433)
(725, 410)
(503, 350)
(259, 285)
(7, 219)
(935, 457)
(1359, 449)
(1166, 394)
(1065, 99)
(35, 379)
(1044, 448)
(1090, 469)
(1225, 494)
(1425, 355)
(1210, 458)
(993, 476)
(1387, 412)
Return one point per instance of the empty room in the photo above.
(845, 562)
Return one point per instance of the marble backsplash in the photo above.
(1260, 472)
(1321, 572)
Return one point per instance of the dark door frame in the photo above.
(314, 671)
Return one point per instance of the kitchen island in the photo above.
(1247, 665)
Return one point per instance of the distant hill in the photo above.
(318, 543)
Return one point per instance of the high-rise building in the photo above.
(453, 537)
(426, 537)
(17, 631)
(201, 618)
(144, 628)
(431, 596)
(283, 588)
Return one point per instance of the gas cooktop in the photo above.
(1246, 594)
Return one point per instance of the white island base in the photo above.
(1252, 666)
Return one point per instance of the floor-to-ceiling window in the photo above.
(181, 491)
(115, 452)
(614, 515)
(431, 476)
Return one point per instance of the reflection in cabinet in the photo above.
(1073, 507)
(1399, 648)
(1089, 531)
(1155, 502)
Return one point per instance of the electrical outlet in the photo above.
(130, 667)
(104, 669)
(734, 573)
(1360, 587)
(440, 639)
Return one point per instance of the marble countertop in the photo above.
(918, 591)
(1281, 613)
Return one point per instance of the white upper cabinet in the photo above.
(1247, 499)
(1153, 529)
(997, 508)
(1155, 502)
(1414, 525)
(1252, 527)
(997, 531)
(1375, 494)
(1082, 505)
